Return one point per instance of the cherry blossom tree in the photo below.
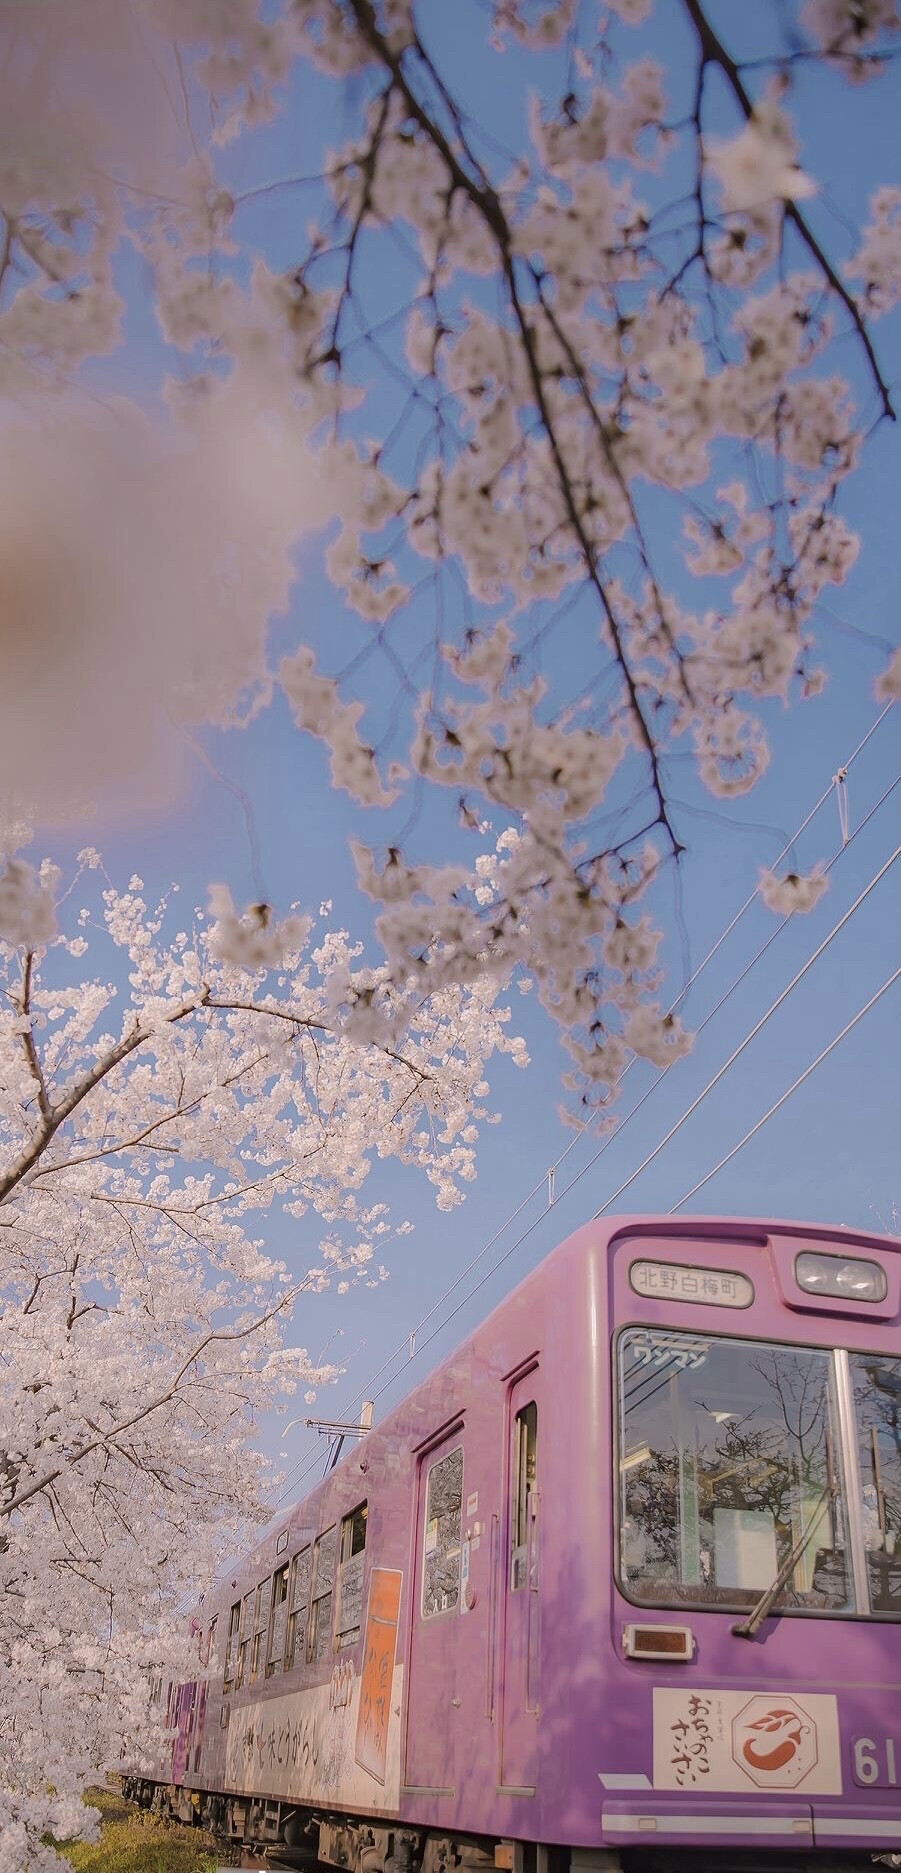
(145, 1154)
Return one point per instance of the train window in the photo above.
(319, 1637)
(261, 1627)
(525, 1476)
(350, 1576)
(353, 1532)
(277, 1619)
(877, 1396)
(208, 1643)
(441, 1543)
(729, 1464)
(247, 1609)
(234, 1621)
(299, 1604)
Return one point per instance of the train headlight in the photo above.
(840, 1277)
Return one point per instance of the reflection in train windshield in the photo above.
(729, 1461)
(877, 1397)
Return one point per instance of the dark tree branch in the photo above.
(58, 1114)
(480, 191)
(713, 52)
(31, 1052)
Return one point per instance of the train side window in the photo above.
(299, 1604)
(247, 1605)
(234, 1620)
(525, 1477)
(350, 1576)
(261, 1625)
(319, 1638)
(208, 1644)
(277, 1617)
(441, 1540)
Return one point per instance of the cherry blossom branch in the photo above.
(713, 52)
(484, 198)
(318, 1027)
(179, 1111)
(105, 1439)
(367, 166)
(31, 1052)
(58, 1114)
(588, 552)
(604, 438)
(55, 1116)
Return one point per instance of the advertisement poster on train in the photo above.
(726, 1740)
(371, 1746)
(312, 1745)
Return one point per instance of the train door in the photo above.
(520, 1578)
(435, 1618)
(184, 1720)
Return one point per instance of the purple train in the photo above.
(610, 1589)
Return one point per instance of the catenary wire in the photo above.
(889, 983)
(299, 1471)
(755, 1030)
(738, 980)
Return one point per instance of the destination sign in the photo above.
(671, 1281)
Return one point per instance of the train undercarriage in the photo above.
(287, 1835)
(308, 1838)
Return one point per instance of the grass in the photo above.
(132, 1841)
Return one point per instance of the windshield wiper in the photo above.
(748, 1627)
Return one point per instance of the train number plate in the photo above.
(877, 1761)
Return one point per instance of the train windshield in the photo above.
(731, 1461)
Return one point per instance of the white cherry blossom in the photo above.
(794, 891)
(888, 683)
(760, 165)
(877, 261)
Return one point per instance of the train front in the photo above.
(754, 1708)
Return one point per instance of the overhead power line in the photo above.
(889, 983)
(737, 981)
(755, 1030)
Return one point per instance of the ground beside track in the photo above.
(133, 1841)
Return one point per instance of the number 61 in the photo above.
(867, 1766)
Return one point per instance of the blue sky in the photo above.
(832, 1153)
